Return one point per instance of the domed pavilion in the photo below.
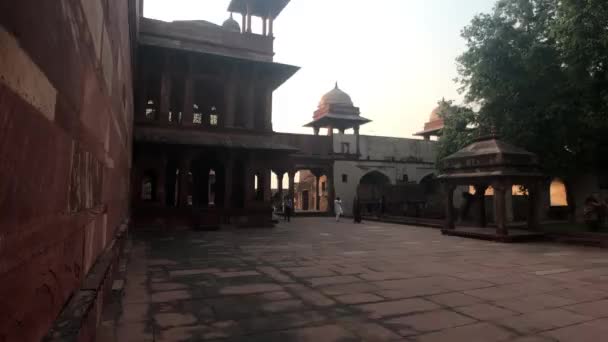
(433, 126)
(491, 162)
(336, 110)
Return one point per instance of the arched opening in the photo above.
(557, 190)
(207, 103)
(371, 192)
(311, 193)
(148, 186)
(176, 100)
(208, 183)
(258, 187)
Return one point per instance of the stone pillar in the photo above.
(330, 131)
(449, 206)
(266, 185)
(317, 175)
(292, 188)
(184, 181)
(268, 110)
(188, 116)
(280, 176)
(204, 187)
(533, 206)
(250, 103)
(249, 183)
(161, 196)
(316, 130)
(331, 192)
(230, 98)
(243, 23)
(509, 217)
(248, 17)
(357, 140)
(271, 27)
(165, 94)
(480, 194)
(500, 209)
(228, 177)
(264, 26)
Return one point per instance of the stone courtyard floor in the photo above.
(317, 280)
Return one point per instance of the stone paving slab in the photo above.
(318, 280)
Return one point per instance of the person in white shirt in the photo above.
(338, 208)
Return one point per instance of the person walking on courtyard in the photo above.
(357, 210)
(338, 208)
(288, 209)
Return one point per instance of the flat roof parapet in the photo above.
(206, 37)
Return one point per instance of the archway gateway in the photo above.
(370, 192)
(489, 161)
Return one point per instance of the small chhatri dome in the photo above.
(336, 97)
(231, 25)
(435, 114)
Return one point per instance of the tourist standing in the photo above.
(338, 208)
(288, 209)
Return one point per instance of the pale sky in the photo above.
(396, 58)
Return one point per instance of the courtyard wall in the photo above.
(65, 148)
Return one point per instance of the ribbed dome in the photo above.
(231, 25)
(336, 97)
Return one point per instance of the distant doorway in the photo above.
(305, 198)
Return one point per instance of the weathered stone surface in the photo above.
(435, 294)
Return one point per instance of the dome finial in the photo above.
(336, 85)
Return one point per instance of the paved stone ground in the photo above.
(317, 280)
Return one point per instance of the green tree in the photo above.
(536, 69)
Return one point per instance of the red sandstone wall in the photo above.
(65, 146)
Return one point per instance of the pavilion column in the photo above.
(480, 193)
(331, 193)
(268, 110)
(204, 187)
(357, 140)
(184, 182)
(249, 183)
(271, 27)
(533, 206)
(228, 177)
(292, 175)
(449, 206)
(165, 93)
(280, 176)
(250, 102)
(230, 98)
(188, 116)
(330, 131)
(500, 209)
(318, 193)
(248, 17)
(244, 23)
(316, 130)
(161, 197)
(264, 26)
(266, 186)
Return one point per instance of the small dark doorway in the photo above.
(305, 198)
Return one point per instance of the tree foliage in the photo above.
(538, 72)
